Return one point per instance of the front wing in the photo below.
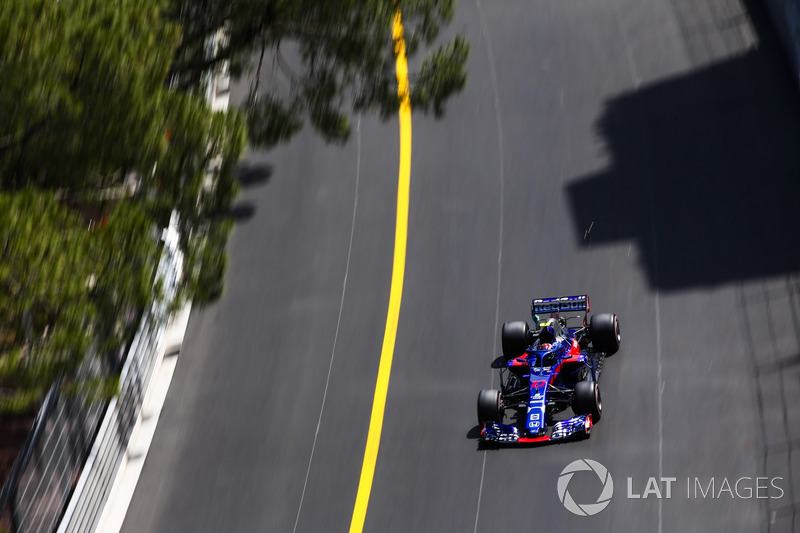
(576, 427)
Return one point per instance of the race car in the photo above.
(546, 369)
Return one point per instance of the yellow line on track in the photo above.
(396, 292)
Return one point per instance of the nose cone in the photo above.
(535, 419)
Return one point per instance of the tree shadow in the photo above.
(705, 174)
(250, 174)
(242, 211)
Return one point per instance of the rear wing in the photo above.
(558, 305)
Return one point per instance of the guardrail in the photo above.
(53, 470)
(28, 492)
(111, 442)
(66, 460)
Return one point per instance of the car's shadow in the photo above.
(500, 362)
(474, 432)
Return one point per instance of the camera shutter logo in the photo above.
(585, 509)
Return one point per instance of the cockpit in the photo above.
(549, 332)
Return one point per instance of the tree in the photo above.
(201, 144)
(87, 100)
(64, 288)
(331, 58)
(86, 106)
(95, 93)
(83, 82)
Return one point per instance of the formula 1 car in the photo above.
(546, 370)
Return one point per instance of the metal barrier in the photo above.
(51, 459)
(53, 470)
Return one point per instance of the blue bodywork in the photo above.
(547, 372)
(559, 363)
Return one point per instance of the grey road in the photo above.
(642, 151)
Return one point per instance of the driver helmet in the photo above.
(547, 335)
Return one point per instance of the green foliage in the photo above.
(441, 75)
(93, 92)
(92, 390)
(82, 83)
(207, 262)
(62, 286)
(329, 59)
(272, 121)
(200, 140)
(85, 100)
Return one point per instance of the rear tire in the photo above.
(490, 406)
(514, 337)
(605, 334)
(587, 400)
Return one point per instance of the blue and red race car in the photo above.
(546, 370)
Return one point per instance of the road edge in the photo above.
(130, 468)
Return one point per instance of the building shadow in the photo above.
(704, 175)
(774, 354)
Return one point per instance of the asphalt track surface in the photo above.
(642, 151)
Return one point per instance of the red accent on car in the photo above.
(526, 440)
(574, 351)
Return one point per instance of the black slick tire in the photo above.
(514, 337)
(605, 333)
(587, 400)
(490, 406)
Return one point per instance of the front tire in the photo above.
(587, 400)
(490, 406)
(514, 338)
(605, 333)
